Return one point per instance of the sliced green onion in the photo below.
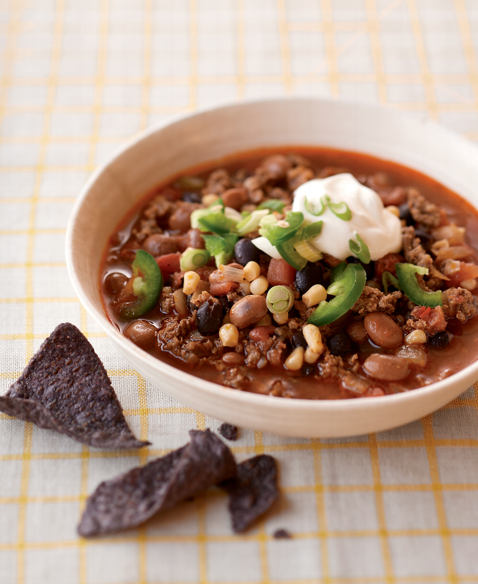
(389, 279)
(221, 247)
(279, 299)
(216, 223)
(312, 230)
(341, 210)
(273, 205)
(192, 259)
(252, 222)
(276, 234)
(317, 210)
(360, 249)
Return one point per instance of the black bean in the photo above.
(405, 214)
(298, 340)
(339, 344)
(190, 197)
(245, 251)
(369, 268)
(309, 276)
(425, 238)
(209, 317)
(226, 304)
(440, 340)
(308, 370)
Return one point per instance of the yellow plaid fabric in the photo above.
(77, 77)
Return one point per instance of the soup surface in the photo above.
(245, 295)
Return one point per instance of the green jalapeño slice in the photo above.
(406, 274)
(147, 283)
(348, 282)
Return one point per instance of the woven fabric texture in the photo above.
(78, 77)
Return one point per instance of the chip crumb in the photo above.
(132, 498)
(253, 491)
(66, 388)
(281, 534)
(228, 431)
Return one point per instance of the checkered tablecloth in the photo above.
(78, 77)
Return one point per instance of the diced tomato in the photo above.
(169, 263)
(466, 271)
(444, 218)
(261, 333)
(434, 318)
(387, 264)
(280, 273)
(222, 288)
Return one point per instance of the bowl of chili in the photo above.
(161, 153)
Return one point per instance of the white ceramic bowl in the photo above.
(159, 153)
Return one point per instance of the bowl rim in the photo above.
(213, 389)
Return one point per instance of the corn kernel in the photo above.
(190, 282)
(252, 271)
(209, 199)
(229, 335)
(295, 360)
(393, 209)
(313, 338)
(281, 318)
(259, 285)
(468, 284)
(417, 337)
(266, 321)
(245, 287)
(310, 356)
(314, 295)
(372, 284)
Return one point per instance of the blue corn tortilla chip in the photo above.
(253, 491)
(132, 498)
(66, 388)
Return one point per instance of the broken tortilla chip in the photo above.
(132, 498)
(253, 491)
(66, 388)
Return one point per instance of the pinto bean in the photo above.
(115, 282)
(142, 333)
(233, 358)
(235, 198)
(261, 333)
(248, 310)
(356, 331)
(383, 331)
(386, 367)
(180, 220)
(159, 244)
(276, 166)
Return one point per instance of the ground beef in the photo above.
(430, 320)
(166, 301)
(146, 228)
(197, 299)
(298, 176)
(330, 365)
(413, 250)
(175, 327)
(423, 211)
(372, 300)
(236, 377)
(217, 182)
(459, 303)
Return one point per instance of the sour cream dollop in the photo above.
(379, 229)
